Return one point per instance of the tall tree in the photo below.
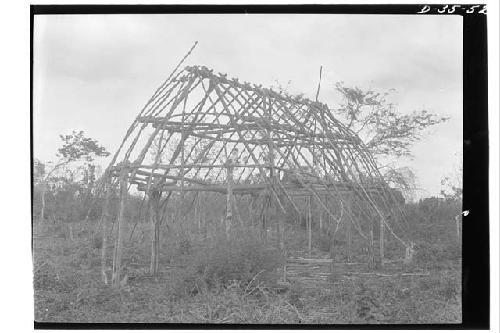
(386, 133)
(76, 147)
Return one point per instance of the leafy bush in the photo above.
(367, 304)
(323, 241)
(432, 254)
(243, 257)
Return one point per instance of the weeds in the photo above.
(243, 257)
(230, 281)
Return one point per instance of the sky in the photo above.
(95, 72)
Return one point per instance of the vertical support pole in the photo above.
(276, 219)
(349, 229)
(229, 197)
(371, 247)
(264, 218)
(196, 213)
(282, 241)
(154, 215)
(332, 250)
(309, 225)
(251, 210)
(281, 222)
(203, 218)
(284, 271)
(117, 257)
(104, 226)
(321, 219)
(382, 232)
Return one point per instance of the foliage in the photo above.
(453, 184)
(64, 188)
(402, 178)
(68, 288)
(242, 257)
(381, 127)
(77, 146)
(433, 227)
(323, 240)
(385, 132)
(429, 254)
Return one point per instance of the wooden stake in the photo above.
(42, 213)
(117, 257)
(309, 225)
(371, 264)
(381, 242)
(154, 215)
(252, 211)
(349, 231)
(105, 217)
(264, 217)
(281, 219)
(321, 220)
(229, 198)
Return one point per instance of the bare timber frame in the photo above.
(205, 132)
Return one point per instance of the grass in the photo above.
(220, 283)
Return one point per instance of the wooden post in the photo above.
(203, 220)
(195, 215)
(284, 271)
(381, 241)
(117, 257)
(349, 230)
(276, 219)
(229, 198)
(309, 225)
(104, 226)
(281, 221)
(349, 240)
(321, 220)
(154, 215)
(371, 251)
(44, 189)
(264, 217)
(332, 248)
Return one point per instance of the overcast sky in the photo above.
(95, 72)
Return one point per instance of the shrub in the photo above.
(184, 246)
(295, 295)
(243, 257)
(432, 254)
(323, 241)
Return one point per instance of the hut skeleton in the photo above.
(218, 134)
